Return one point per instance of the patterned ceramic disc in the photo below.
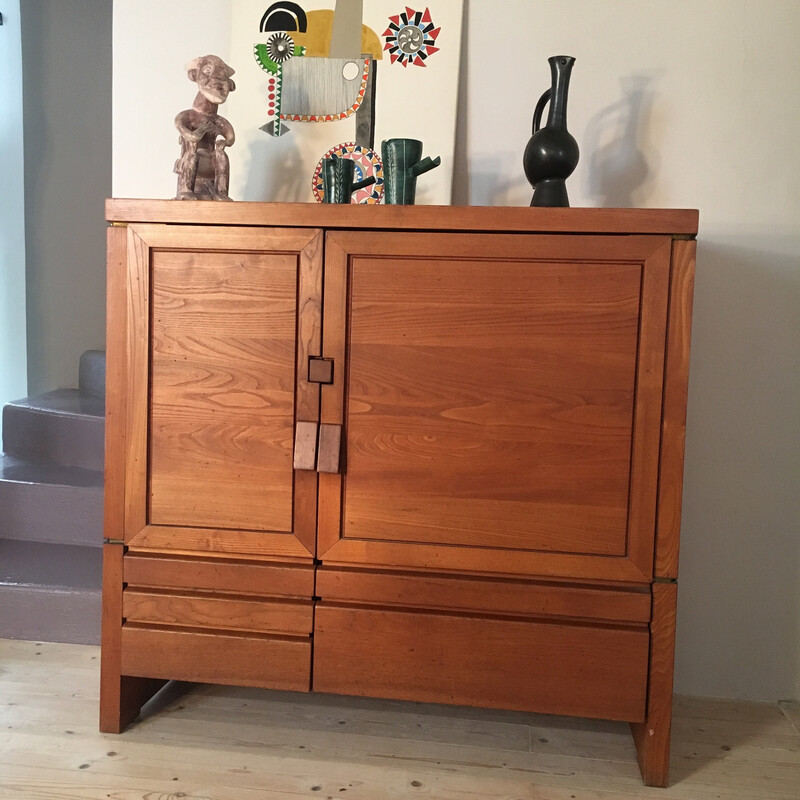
(367, 162)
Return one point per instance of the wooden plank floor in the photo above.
(218, 743)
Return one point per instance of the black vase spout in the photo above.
(552, 152)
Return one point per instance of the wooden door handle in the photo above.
(305, 445)
(330, 442)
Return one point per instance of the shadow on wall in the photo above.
(619, 175)
(274, 170)
(740, 550)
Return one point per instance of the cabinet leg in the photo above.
(652, 737)
(121, 696)
(122, 699)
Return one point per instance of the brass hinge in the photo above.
(118, 224)
(664, 580)
(113, 541)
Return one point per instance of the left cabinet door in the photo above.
(220, 325)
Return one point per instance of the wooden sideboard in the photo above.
(440, 449)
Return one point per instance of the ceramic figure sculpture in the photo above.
(203, 168)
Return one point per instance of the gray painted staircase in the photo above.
(51, 511)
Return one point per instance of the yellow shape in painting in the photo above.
(317, 38)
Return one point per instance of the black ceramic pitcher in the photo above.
(552, 152)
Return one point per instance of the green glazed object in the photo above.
(402, 165)
(337, 180)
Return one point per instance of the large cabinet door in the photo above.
(221, 323)
(500, 397)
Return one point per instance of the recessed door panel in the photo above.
(222, 398)
(500, 402)
(228, 323)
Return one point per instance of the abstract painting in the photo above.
(336, 75)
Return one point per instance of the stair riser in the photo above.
(51, 513)
(71, 440)
(50, 615)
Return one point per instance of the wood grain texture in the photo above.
(513, 404)
(219, 377)
(437, 218)
(309, 344)
(218, 575)
(330, 445)
(647, 416)
(219, 541)
(222, 389)
(121, 696)
(305, 445)
(483, 561)
(332, 395)
(652, 736)
(482, 595)
(490, 394)
(561, 669)
(243, 660)
(116, 384)
(137, 399)
(222, 612)
(673, 424)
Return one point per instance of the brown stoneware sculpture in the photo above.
(203, 168)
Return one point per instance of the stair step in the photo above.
(50, 503)
(92, 373)
(65, 427)
(50, 592)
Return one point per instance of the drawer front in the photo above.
(219, 575)
(224, 613)
(555, 668)
(265, 661)
(484, 595)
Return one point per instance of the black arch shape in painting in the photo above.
(284, 16)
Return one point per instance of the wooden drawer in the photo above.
(266, 661)
(218, 612)
(555, 668)
(484, 595)
(218, 574)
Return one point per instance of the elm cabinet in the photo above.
(440, 449)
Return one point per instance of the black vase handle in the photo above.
(539, 110)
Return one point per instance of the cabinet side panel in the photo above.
(673, 426)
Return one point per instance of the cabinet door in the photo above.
(500, 397)
(221, 323)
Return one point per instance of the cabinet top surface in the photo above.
(680, 222)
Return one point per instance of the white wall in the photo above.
(66, 50)
(13, 354)
(144, 156)
(681, 104)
